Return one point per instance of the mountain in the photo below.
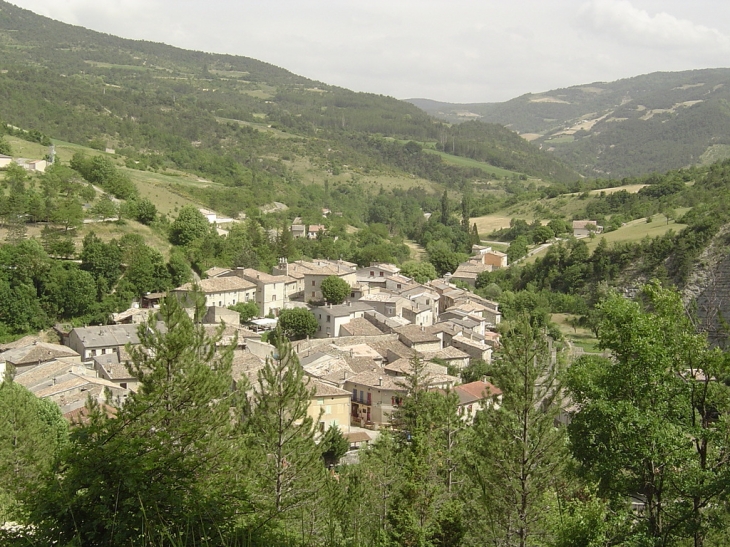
(634, 126)
(227, 118)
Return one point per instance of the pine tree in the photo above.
(516, 449)
(32, 432)
(284, 461)
(166, 465)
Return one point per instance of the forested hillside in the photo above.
(210, 113)
(635, 126)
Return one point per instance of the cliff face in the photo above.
(708, 290)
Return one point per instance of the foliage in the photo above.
(420, 272)
(246, 310)
(335, 289)
(297, 323)
(653, 416)
(164, 457)
(517, 451)
(189, 225)
(32, 433)
(333, 445)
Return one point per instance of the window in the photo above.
(362, 396)
(354, 395)
(398, 285)
(382, 274)
(370, 401)
(313, 293)
(234, 301)
(372, 273)
(273, 298)
(328, 318)
(220, 303)
(314, 283)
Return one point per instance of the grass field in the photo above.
(489, 223)
(636, 230)
(467, 162)
(159, 188)
(579, 336)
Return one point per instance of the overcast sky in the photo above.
(447, 50)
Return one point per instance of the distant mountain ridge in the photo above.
(633, 126)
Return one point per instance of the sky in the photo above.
(460, 51)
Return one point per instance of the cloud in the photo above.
(623, 22)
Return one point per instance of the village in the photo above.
(355, 364)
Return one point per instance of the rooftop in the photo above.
(219, 284)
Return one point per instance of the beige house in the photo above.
(271, 290)
(314, 230)
(476, 396)
(28, 356)
(419, 338)
(5, 161)
(220, 291)
(92, 341)
(584, 228)
(331, 318)
(329, 406)
(374, 397)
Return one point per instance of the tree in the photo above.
(517, 452)
(5, 148)
(297, 323)
(32, 432)
(650, 423)
(542, 234)
(333, 445)
(146, 211)
(426, 509)
(246, 310)
(445, 208)
(284, 464)
(165, 465)
(421, 272)
(443, 258)
(335, 289)
(517, 249)
(189, 225)
(105, 208)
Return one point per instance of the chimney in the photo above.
(380, 381)
(344, 375)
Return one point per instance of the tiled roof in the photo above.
(324, 389)
(219, 284)
(416, 334)
(36, 353)
(216, 271)
(360, 327)
(107, 336)
(378, 379)
(476, 391)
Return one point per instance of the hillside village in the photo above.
(357, 359)
(240, 307)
